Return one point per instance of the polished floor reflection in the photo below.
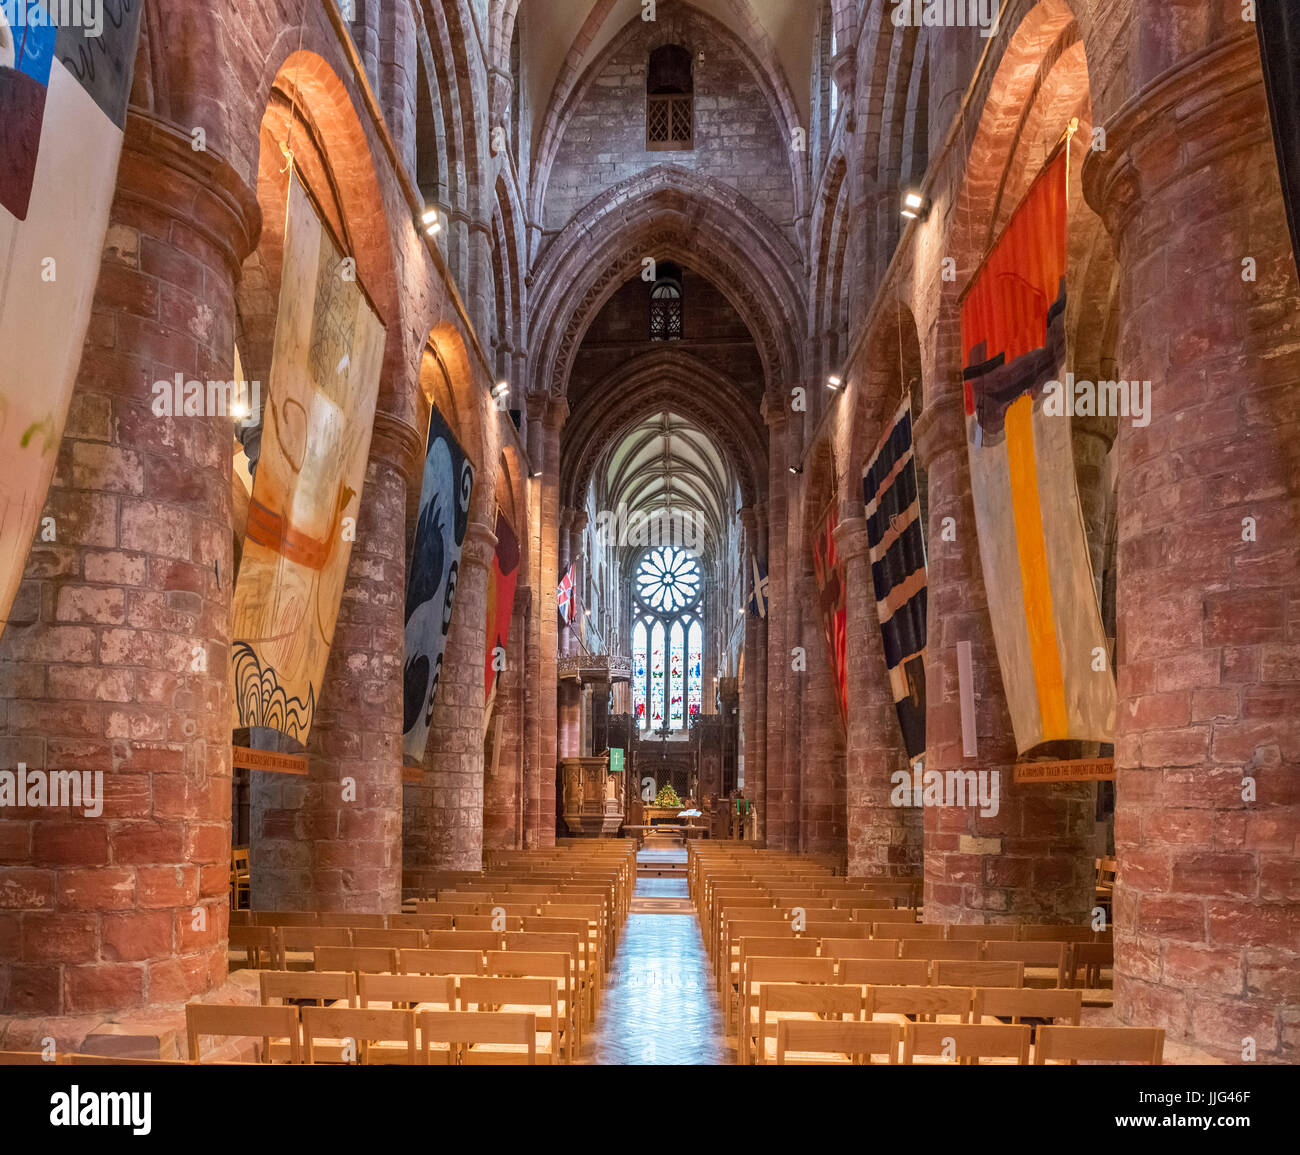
(660, 1006)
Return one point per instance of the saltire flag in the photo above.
(1278, 27)
(565, 596)
(63, 98)
(758, 598)
(431, 582)
(325, 362)
(1051, 646)
(500, 606)
(834, 608)
(894, 534)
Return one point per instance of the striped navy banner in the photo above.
(894, 533)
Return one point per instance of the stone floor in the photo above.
(660, 1007)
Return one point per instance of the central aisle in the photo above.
(660, 1006)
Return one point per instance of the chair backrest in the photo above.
(903, 914)
(1070, 932)
(488, 994)
(917, 930)
(780, 947)
(529, 964)
(308, 938)
(923, 1001)
(285, 918)
(463, 1029)
(319, 986)
(31, 1059)
(1100, 1044)
(980, 973)
(1032, 954)
(930, 949)
(1032, 1003)
(402, 938)
(348, 918)
(440, 962)
(547, 924)
(966, 1042)
(962, 932)
(265, 1023)
(419, 922)
(842, 948)
(407, 990)
(370, 959)
(464, 940)
(858, 1041)
(768, 969)
(259, 939)
(822, 928)
(363, 1027)
(885, 972)
(824, 1000)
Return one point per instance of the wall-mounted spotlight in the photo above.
(536, 475)
(915, 204)
(500, 389)
(431, 222)
(834, 382)
(795, 470)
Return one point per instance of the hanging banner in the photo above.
(325, 364)
(834, 609)
(1051, 646)
(1278, 28)
(431, 581)
(500, 607)
(63, 97)
(894, 534)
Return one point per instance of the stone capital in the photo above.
(223, 209)
(523, 599)
(851, 538)
(479, 548)
(398, 444)
(941, 428)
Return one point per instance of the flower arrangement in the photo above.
(667, 797)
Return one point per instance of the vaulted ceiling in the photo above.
(667, 463)
(555, 26)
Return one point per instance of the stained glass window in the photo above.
(668, 580)
(657, 676)
(676, 701)
(695, 670)
(638, 673)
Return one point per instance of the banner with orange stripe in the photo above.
(1052, 648)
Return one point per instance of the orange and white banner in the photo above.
(1052, 649)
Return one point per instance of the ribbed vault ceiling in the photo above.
(668, 464)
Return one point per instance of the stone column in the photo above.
(883, 839)
(453, 760)
(752, 693)
(333, 840)
(775, 824)
(1032, 861)
(1208, 731)
(505, 791)
(116, 657)
(555, 412)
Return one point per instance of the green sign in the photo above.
(616, 761)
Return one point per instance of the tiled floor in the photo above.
(659, 1006)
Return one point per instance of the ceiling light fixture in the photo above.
(916, 204)
(834, 382)
(501, 388)
(431, 222)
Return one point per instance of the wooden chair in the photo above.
(758, 946)
(299, 943)
(349, 919)
(980, 973)
(966, 1043)
(934, 931)
(885, 972)
(459, 1032)
(585, 978)
(407, 992)
(777, 1001)
(1091, 958)
(1047, 958)
(544, 965)
(266, 1023)
(1099, 1045)
(904, 914)
(842, 948)
(931, 950)
(284, 918)
(441, 962)
(499, 924)
(241, 877)
(921, 1003)
(259, 943)
(821, 928)
(359, 959)
(354, 1036)
(766, 969)
(1069, 932)
(993, 1003)
(480, 940)
(836, 1041)
(537, 997)
(419, 922)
